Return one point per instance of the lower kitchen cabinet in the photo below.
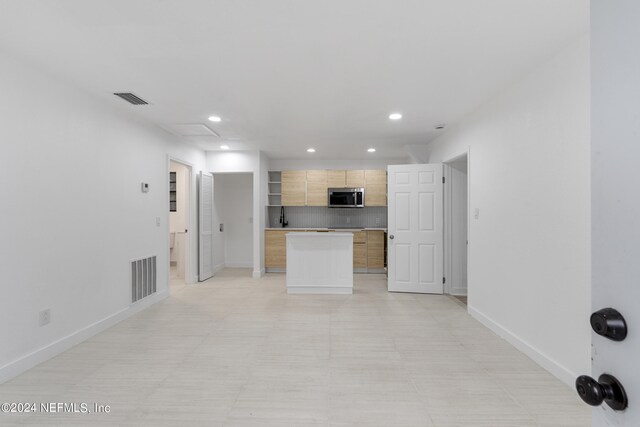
(375, 249)
(275, 248)
(360, 249)
(368, 249)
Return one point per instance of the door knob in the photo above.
(609, 323)
(391, 236)
(607, 389)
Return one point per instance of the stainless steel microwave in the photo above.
(346, 198)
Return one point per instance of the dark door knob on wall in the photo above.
(607, 389)
(609, 323)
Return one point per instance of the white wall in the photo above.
(529, 177)
(233, 197)
(73, 214)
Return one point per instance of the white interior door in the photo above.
(205, 226)
(415, 237)
(615, 203)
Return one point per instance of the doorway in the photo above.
(456, 226)
(233, 222)
(179, 220)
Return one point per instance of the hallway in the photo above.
(237, 351)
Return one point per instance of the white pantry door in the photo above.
(415, 237)
(615, 199)
(205, 226)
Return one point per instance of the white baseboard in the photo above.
(258, 273)
(546, 362)
(24, 363)
(239, 264)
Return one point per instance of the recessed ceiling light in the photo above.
(311, 150)
(440, 127)
(224, 147)
(215, 119)
(371, 150)
(395, 116)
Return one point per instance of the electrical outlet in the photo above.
(378, 221)
(348, 220)
(44, 317)
(476, 213)
(157, 221)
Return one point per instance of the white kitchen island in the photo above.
(319, 263)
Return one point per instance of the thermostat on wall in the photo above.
(145, 187)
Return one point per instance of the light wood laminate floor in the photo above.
(237, 351)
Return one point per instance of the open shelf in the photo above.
(274, 188)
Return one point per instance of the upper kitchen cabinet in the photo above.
(336, 179)
(375, 188)
(317, 185)
(309, 187)
(294, 188)
(355, 179)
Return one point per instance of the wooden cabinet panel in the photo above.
(337, 179)
(375, 195)
(355, 178)
(376, 176)
(375, 188)
(317, 188)
(360, 255)
(294, 188)
(275, 248)
(375, 249)
(275, 251)
(359, 237)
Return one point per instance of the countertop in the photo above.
(325, 229)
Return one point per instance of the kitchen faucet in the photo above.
(282, 221)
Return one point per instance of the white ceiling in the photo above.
(290, 74)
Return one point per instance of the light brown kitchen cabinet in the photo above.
(309, 188)
(317, 188)
(368, 249)
(275, 250)
(294, 188)
(375, 249)
(336, 179)
(360, 249)
(375, 188)
(355, 179)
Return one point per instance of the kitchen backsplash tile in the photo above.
(321, 217)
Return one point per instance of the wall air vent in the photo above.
(131, 98)
(143, 278)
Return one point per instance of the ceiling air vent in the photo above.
(131, 98)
